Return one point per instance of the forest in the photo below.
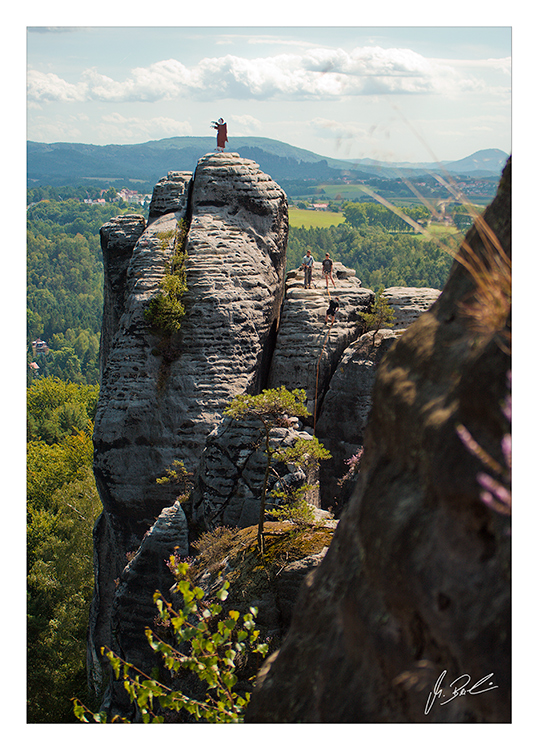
(65, 284)
(64, 310)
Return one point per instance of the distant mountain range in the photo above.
(73, 163)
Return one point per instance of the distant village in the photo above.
(129, 196)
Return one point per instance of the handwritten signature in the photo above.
(459, 687)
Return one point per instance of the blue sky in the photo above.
(405, 93)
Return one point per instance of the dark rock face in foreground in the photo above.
(417, 578)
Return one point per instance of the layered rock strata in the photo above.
(162, 394)
(118, 238)
(170, 195)
(308, 349)
(408, 304)
(414, 591)
(344, 416)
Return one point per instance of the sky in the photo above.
(403, 93)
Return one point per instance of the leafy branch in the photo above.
(208, 645)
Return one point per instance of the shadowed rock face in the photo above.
(417, 578)
(118, 238)
(346, 406)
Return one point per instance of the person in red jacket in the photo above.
(222, 133)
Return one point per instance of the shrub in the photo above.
(206, 644)
(166, 311)
(380, 315)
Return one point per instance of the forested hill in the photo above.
(65, 287)
(69, 163)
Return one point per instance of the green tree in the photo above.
(355, 214)
(273, 408)
(60, 586)
(380, 315)
(196, 638)
(56, 409)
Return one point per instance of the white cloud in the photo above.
(48, 87)
(333, 129)
(59, 129)
(318, 73)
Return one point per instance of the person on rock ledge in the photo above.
(222, 133)
(308, 265)
(327, 268)
(334, 306)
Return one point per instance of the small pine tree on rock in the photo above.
(380, 315)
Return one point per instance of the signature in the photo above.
(459, 687)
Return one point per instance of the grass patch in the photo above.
(300, 218)
(234, 552)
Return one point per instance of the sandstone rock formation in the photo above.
(307, 351)
(232, 467)
(118, 238)
(170, 195)
(408, 303)
(344, 415)
(162, 395)
(417, 578)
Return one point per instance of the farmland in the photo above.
(307, 218)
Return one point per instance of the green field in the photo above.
(300, 218)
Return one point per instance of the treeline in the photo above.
(380, 258)
(370, 214)
(65, 287)
(62, 506)
(80, 192)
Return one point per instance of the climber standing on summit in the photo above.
(327, 268)
(222, 133)
(308, 264)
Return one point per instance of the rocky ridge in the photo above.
(161, 396)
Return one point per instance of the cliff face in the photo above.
(162, 395)
(414, 591)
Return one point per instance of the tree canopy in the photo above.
(380, 258)
(62, 505)
(65, 286)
